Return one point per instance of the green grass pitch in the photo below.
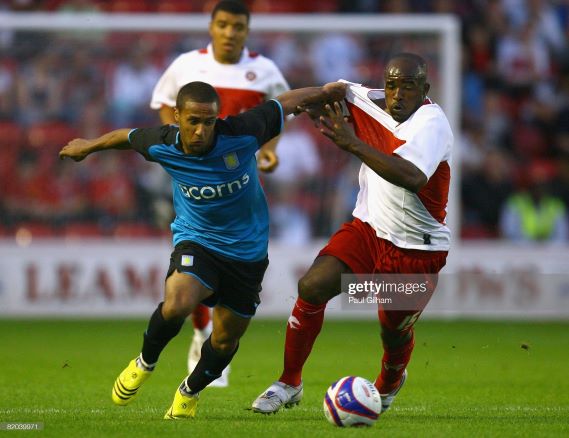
(465, 379)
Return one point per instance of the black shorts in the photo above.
(235, 284)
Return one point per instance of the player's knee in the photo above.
(177, 306)
(224, 345)
(311, 289)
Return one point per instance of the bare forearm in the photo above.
(394, 169)
(117, 139)
(302, 97)
(79, 148)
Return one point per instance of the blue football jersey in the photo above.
(218, 199)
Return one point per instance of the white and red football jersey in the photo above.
(408, 220)
(253, 80)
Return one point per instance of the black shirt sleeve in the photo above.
(264, 122)
(141, 139)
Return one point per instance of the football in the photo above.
(352, 401)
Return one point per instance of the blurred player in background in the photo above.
(221, 229)
(243, 79)
(404, 142)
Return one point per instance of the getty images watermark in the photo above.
(390, 291)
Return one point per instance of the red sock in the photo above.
(393, 365)
(200, 317)
(302, 329)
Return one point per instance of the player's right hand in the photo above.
(76, 149)
(336, 91)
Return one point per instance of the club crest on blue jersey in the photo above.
(231, 161)
(187, 260)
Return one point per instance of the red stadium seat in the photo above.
(529, 141)
(11, 135)
(50, 135)
(173, 6)
(127, 6)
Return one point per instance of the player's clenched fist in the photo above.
(76, 149)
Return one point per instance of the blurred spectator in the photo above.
(543, 14)
(289, 223)
(286, 51)
(154, 192)
(78, 6)
(535, 214)
(70, 201)
(132, 85)
(522, 59)
(28, 193)
(483, 194)
(288, 188)
(561, 182)
(84, 85)
(111, 190)
(515, 108)
(335, 56)
(7, 81)
(299, 161)
(40, 89)
(497, 120)
(346, 187)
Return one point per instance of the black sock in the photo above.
(158, 334)
(208, 368)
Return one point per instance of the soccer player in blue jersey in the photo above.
(221, 228)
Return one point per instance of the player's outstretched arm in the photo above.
(392, 168)
(297, 100)
(79, 148)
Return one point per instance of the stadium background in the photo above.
(84, 241)
(93, 238)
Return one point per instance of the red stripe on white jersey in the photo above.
(434, 195)
(373, 133)
(235, 101)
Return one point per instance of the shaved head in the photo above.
(406, 65)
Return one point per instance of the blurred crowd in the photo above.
(513, 144)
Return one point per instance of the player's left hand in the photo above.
(267, 160)
(336, 127)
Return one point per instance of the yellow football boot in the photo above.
(182, 407)
(128, 382)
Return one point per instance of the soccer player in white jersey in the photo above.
(242, 79)
(404, 142)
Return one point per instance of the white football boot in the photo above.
(387, 399)
(276, 396)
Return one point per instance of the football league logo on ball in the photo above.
(352, 401)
